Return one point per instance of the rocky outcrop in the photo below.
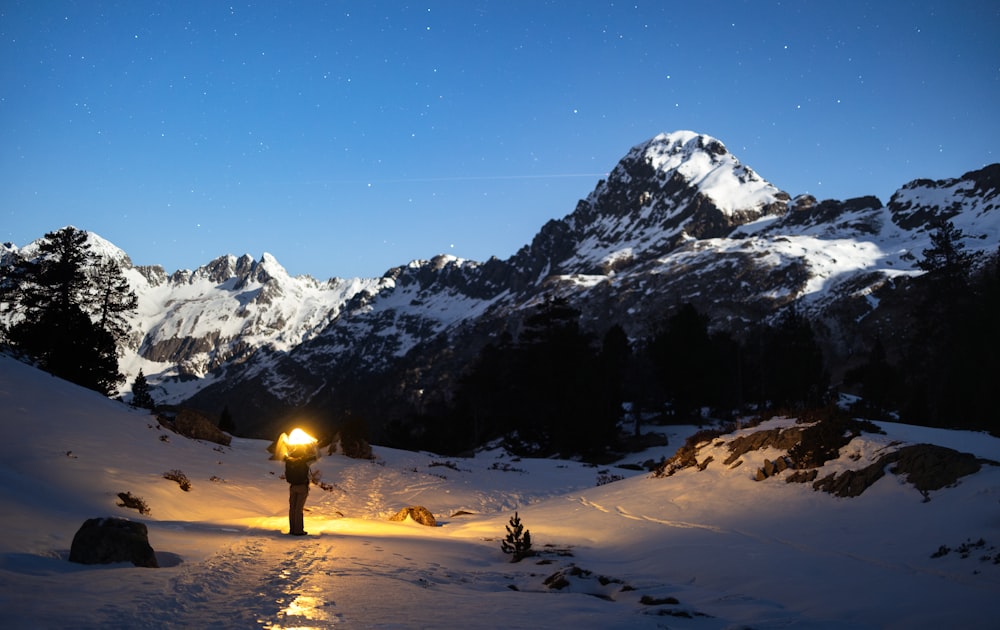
(416, 513)
(771, 468)
(917, 205)
(814, 441)
(927, 466)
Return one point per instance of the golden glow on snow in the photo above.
(301, 614)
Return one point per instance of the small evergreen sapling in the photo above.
(518, 541)
(141, 398)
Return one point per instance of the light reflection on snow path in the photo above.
(254, 582)
(304, 607)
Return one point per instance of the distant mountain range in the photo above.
(678, 220)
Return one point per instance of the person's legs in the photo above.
(296, 504)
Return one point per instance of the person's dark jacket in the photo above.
(297, 471)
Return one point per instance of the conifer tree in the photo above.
(548, 389)
(945, 338)
(791, 365)
(64, 324)
(565, 404)
(947, 255)
(113, 299)
(56, 279)
(140, 393)
(682, 353)
(518, 540)
(879, 380)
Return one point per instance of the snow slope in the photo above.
(731, 551)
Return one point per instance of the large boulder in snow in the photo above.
(108, 540)
(196, 426)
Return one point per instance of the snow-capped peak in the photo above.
(271, 266)
(704, 162)
(99, 247)
(666, 190)
(106, 249)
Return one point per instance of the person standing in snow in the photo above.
(297, 475)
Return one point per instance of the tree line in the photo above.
(945, 368)
(555, 388)
(69, 310)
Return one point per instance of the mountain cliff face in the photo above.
(224, 312)
(678, 220)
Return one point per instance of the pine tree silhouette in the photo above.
(74, 311)
(140, 393)
(518, 541)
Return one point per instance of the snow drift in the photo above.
(617, 547)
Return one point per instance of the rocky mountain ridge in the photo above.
(679, 219)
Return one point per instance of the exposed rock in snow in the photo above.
(110, 540)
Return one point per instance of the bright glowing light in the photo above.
(298, 436)
(303, 445)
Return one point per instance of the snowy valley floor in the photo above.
(705, 549)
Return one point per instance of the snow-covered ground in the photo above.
(732, 552)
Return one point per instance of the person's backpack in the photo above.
(297, 471)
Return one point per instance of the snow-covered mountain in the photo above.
(679, 219)
(674, 188)
(192, 323)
